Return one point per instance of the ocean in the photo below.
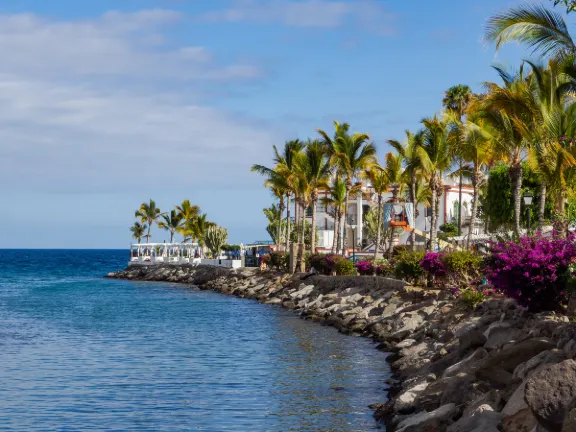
(82, 353)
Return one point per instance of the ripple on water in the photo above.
(79, 352)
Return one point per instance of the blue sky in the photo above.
(105, 104)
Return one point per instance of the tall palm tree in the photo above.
(395, 173)
(187, 213)
(284, 171)
(475, 147)
(274, 216)
(149, 213)
(412, 168)
(510, 110)
(380, 182)
(434, 158)
(276, 181)
(351, 154)
(171, 222)
(336, 200)
(535, 26)
(315, 168)
(456, 101)
(138, 231)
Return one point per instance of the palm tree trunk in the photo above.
(516, 178)
(474, 210)
(171, 236)
(302, 247)
(413, 199)
(313, 240)
(335, 237)
(297, 218)
(378, 229)
(433, 218)
(287, 222)
(541, 207)
(460, 200)
(279, 229)
(344, 221)
(148, 234)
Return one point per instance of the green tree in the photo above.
(284, 173)
(569, 4)
(351, 155)
(274, 228)
(412, 168)
(535, 26)
(315, 170)
(149, 213)
(434, 158)
(456, 101)
(475, 146)
(380, 182)
(171, 222)
(138, 231)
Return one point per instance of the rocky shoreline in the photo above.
(495, 368)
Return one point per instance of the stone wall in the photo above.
(496, 368)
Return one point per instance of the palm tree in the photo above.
(138, 231)
(274, 216)
(336, 199)
(553, 96)
(412, 168)
(284, 172)
(434, 158)
(149, 213)
(351, 155)
(380, 182)
(395, 174)
(315, 168)
(187, 211)
(456, 101)
(534, 25)
(510, 110)
(171, 222)
(475, 147)
(277, 183)
(201, 224)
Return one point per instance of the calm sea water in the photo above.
(80, 353)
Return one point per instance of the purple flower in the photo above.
(432, 263)
(533, 270)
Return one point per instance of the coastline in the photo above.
(454, 369)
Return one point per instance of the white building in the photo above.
(358, 206)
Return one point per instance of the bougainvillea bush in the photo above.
(433, 264)
(534, 270)
(324, 264)
(365, 267)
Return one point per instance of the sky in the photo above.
(105, 104)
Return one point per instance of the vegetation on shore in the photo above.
(517, 135)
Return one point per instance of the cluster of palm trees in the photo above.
(529, 116)
(185, 219)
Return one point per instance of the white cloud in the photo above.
(366, 14)
(107, 104)
(116, 44)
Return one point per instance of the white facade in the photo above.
(368, 199)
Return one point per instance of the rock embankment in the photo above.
(497, 368)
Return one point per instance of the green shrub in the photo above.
(471, 297)
(286, 260)
(277, 260)
(463, 263)
(345, 267)
(408, 266)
